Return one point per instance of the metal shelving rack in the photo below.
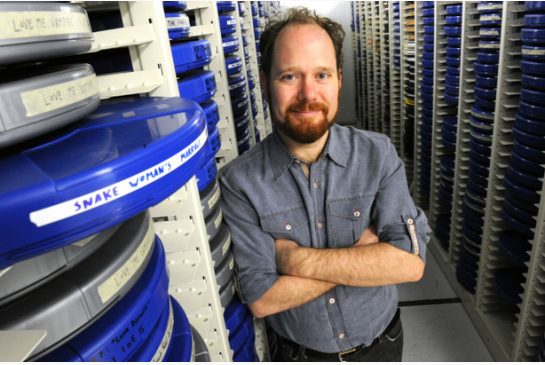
(510, 336)
(240, 53)
(207, 25)
(395, 75)
(179, 221)
(420, 199)
(267, 10)
(469, 47)
(376, 64)
(407, 22)
(530, 324)
(384, 32)
(182, 227)
(355, 46)
(488, 304)
(363, 67)
(252, 69)
(359, 61)
(441, 108)
(369, 56)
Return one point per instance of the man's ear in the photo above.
(264, 84)
(340, 73)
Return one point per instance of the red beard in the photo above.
(305, 130)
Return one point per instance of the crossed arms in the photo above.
(308, 273)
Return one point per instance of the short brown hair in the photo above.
(298, 15)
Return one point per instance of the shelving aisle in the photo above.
(478, 125)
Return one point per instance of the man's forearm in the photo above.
(369, 265)
(289, 292)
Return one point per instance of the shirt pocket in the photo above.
(289, 224)
(348, 217)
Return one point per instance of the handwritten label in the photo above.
(489, 32)
(226, 245)
(42, 23)
(127, 338)
(159, 355)
(119, 279)
(229, 44)
(178, 22)
(239, 84)
(234, 65)
(214, 199)
(49, 98)
(242, 103)
(118, 190)
(535, 52)
(217, 222)
(488, 17)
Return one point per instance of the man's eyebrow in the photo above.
(328, 69)
(295, 69)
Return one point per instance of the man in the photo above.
(320, 214)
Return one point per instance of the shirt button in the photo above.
(315, 184)
(331, 300)
(341, 335)
(357, 213)
(288, 227)
(320, 225)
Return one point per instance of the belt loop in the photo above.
(302, 353)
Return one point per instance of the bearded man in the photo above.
(320, 215)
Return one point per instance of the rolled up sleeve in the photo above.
(254, 249)
(398, 221)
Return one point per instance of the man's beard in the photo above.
(305, 130)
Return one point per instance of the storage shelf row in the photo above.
(478, 151)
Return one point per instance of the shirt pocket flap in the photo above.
(353, 208)
(286, 221)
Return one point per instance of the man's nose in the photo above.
(307, 90)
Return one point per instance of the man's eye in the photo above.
(288, 77)
(323, 75)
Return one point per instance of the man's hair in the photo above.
(297, 15)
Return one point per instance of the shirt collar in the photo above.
(334, 147)
(281, 158)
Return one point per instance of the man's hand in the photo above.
(367, 237)
(284, 256)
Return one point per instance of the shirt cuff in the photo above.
(254, 284)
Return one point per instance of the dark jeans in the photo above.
(387, 347)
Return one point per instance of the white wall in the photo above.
(340, 12)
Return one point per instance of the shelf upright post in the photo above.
(155, 54)
(395, 74)
(420, 199)
(382, 16)
(363, 66)
(500, 319)
(253, 69)
(441, 109)
(206, 17)
(466, 98)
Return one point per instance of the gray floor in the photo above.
(437, 331)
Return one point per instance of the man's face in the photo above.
(304, 84)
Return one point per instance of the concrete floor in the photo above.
(435, 324)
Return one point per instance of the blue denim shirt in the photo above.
(358, 181)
